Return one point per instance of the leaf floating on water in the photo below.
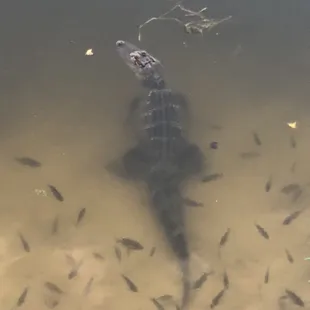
(89, 52)
(292, 125)
(22, 298)
(56, 193)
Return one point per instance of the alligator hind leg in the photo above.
(191, 160)
(135, 163)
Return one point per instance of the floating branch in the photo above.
(193, 26)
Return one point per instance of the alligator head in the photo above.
(145, 66)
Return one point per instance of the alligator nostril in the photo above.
(120, 43)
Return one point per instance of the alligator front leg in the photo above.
(191, 160)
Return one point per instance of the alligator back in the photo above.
(162, 126)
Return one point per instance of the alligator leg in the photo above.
(136, 163)
(191, 160)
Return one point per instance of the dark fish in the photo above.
(290, 188)
(293, 167)
(262, 231)
(53, 288)
(288, 220)
(295, 298)
(266, 279)
(293, 142)
(88, 286)
(157, 304)
(56, 193)
(118, 253)
(256, 138)
(200, 281)
(268, 185)
(212, 177)
(152, 252)
(130, 244)
(22, 298)
(98, 256)
(225, 280)
(55, 225)
(192, 203)
(27, 161)
(217, 298)
(73, 273)
(80, 215)
(24, 243)
(130, 284)
(224, 238)
(249, 155)
(289, 256)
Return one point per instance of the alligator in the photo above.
(163, 157)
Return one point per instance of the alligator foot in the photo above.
(191, 160)
(135, 164)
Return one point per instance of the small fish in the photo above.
(131, 244)
(55, 226)
(56, 193)
(22, 298)
(290, 188)
(289, 256)
(212, 177)
(225, 280)
(157, 304)
(256, 138)
(217, 298)
(80, 215)
(266, 278)
(290, 218)
(153, 250)
(249, 155)
(88, 286)
(200, 281)
(24, 243)
(192, 203)
(27, 161)
(262, 231)
(73, 273)
(118, 253)
(295, 298)
(98, 256)
(224, 238)
(268, 185)
(53, 288)
(293, 142)
(130, 284)
(293, 167)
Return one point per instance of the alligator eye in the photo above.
(143, 54)
(120, 43)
